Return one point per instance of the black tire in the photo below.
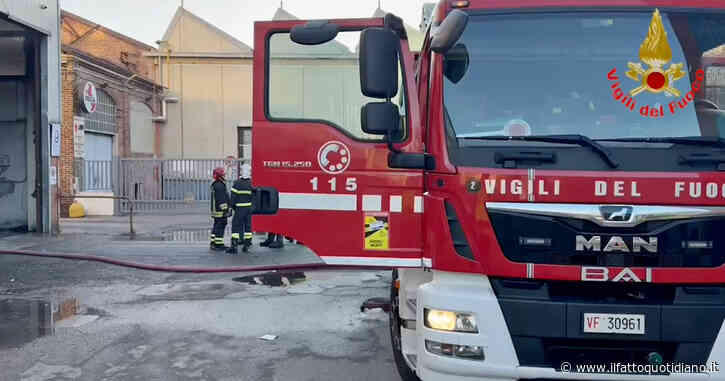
(406, 374)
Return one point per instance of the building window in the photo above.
(142, 128)
(104, 118)
(244, 138)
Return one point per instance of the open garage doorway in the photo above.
(20, 124)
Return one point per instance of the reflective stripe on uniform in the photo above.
(217, 214)
(241, 191)
(235, 235)
(219, 240)
(223, 206)
(247, 235)
(244, 204)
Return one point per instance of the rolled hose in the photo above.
(178, 269)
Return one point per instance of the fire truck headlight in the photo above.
(450, 321)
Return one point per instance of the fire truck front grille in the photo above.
(527, 238)
(591, 352)
(545, 320)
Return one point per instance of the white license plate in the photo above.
(627, 324)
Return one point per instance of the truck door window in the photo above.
(319, 83)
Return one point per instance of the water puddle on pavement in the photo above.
(273, 279)
(23, 320)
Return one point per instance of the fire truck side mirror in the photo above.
(455, 63)
(381, 118)
(265, 201)
(449, 32)
(314, 33)
(379, 63)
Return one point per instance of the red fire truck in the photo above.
(545, 178)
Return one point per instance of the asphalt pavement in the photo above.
(141, 325)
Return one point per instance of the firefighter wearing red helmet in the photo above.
(219, 209)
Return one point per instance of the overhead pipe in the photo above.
(117, 74)
(164, 109)
(164, 114)
(128, 80)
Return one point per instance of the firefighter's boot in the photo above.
(278, 243)
(219, 247)
(247, 244)
(266, 242)
(234, 248)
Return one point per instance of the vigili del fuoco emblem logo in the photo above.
(654, 77)
(655, 51)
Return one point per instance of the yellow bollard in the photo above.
(76, 210)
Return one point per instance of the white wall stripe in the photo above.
(427, 262)
(372, 203)
(396, 204)
(318, 201)
(418, 204)
(373, 261)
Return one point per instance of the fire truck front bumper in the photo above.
(438, 359)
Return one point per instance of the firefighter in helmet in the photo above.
(219, 209)
(241, 201)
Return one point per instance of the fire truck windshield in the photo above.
(598, 74)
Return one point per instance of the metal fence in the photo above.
(94, 175)
(155, 184)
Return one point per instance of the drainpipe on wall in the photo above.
(164, 109)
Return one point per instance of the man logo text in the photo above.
(616, 243)
(604, 274)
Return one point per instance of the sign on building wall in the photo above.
(88, 98)
(55, 140)
(79, 137)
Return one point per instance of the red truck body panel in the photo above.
(420, 231)
(335, 231)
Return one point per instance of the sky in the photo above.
(136, 19)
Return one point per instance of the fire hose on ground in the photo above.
(181, 269)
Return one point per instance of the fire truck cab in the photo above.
(546, 179)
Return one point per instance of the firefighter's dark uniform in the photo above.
(241, 201)
(219, 213)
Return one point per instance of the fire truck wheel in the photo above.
(406, 374)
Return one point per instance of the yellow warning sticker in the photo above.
(377, 232)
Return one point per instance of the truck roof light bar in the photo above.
(460, 4)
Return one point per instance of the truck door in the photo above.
(337, 194)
